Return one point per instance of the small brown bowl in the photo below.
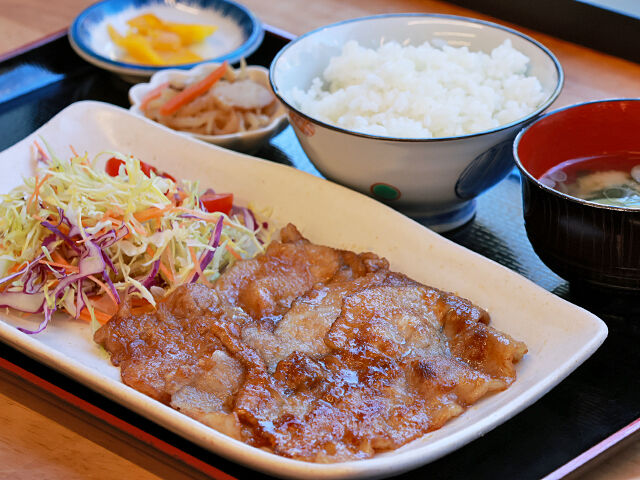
(586, 243)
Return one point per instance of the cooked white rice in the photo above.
(423, 91)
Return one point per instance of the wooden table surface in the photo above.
(41, 439)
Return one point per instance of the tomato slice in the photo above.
(147, 169)
(113, 166)
(217, 202)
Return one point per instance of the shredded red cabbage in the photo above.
(91, 263)
(73, 228)
(248, 217)
(24, 302)
(105, 241)
(190, 215)
(26, 268)
(107, 279)
(207, 256)
(49, 240)
(149, 280)
(34, 279)
(64, 237)
(80, 303)
(112, 236)
(43, 324)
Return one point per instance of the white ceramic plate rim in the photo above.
(564, 334)
(138, 92)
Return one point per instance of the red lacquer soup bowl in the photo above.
(584, 242)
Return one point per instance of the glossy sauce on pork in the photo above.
(314, 353)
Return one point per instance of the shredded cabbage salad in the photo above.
(78, 238)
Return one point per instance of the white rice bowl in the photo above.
(422, 91)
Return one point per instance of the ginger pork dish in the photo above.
(313, 353)
(306, 351)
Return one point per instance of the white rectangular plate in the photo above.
(560, 336)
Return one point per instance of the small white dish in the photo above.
(559, 335)
(238, 35)
(246, 142)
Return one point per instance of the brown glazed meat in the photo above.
(314, 353)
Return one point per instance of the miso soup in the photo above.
(612, 179)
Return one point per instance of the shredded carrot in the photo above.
(73, 150)
(197, 268)
(35, 192)
(64, 228)
(97, 234)
(59, 259)
(66, 266)
(36, 189)
(153, 94)
(41, 151)
(139, 302)
(149, 251)
(112, 220)
(16, 266)
(106, 215)
(115, 210)
(196, 263)
(138, 229)
(182, 194)
(140, 305)
(152, 212)
(162, 267)
(193, 91)
(233, 252)
(106, 289)
(100, 316)
(167, 272)
(211, 217)
(108, 308)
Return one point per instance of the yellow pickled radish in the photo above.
(140, 49)
(190, 34)
(136, 46)
(162, 40)
(145, 23)
(115, 36)
(184, 55)
(153, 41)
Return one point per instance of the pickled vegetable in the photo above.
(150, 40)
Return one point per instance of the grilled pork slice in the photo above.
(314, 353)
